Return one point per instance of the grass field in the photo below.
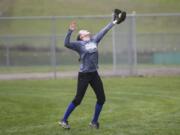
(79, 8)
(134, 106)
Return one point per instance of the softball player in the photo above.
(87, 47)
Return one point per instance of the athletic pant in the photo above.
(92, 78)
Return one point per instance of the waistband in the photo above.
(88, 73)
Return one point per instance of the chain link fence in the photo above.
(145, 44)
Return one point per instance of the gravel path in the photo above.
(140, 72)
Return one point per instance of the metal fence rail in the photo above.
(143, 41)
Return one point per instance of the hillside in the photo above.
(85, 7)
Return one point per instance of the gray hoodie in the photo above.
(88, 50)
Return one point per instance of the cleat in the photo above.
(64, 124)
(94, 125)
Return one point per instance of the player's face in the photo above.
(86, 37)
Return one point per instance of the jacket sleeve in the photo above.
(97, 38)
(71, 45)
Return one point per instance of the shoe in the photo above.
(94, 125)
(64, 124)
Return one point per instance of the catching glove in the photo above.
(119, 16)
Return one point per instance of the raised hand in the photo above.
(73, 26)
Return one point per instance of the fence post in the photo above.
(114, 50)
(53, 47)
(134, 45)
(7, 56)
(132, 52)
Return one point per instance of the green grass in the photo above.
(134, 106)
(38, 69)
(80, 7)
(28, 27)
(50, 68)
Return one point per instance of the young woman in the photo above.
(87, 47)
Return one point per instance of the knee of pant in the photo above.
(101, 101)
(76, 102)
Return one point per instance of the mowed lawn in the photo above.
(134, 106)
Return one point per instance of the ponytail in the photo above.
(78, 38)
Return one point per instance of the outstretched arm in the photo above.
(67, 43)
(118, 17)
(103, 32)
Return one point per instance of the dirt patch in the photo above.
(140, 72)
